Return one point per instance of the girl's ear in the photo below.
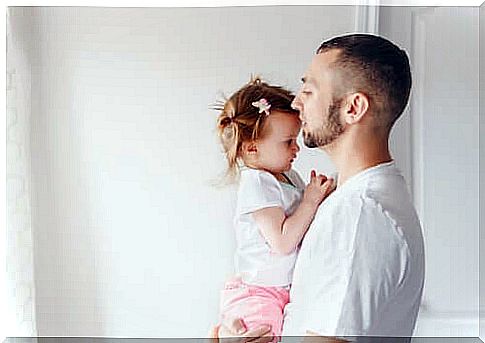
(249, 148)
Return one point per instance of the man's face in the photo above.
(319, 109)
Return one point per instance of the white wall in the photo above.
(444, 108)
(20, 266)
(130, 238)
(482, 170)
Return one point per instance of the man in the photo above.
(360, 271)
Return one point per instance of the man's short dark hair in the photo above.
(378, 68)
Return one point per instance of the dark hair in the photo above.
(378, 68)
(240, 121)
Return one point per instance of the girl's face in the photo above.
(277, 148)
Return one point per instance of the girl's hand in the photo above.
(318, 189)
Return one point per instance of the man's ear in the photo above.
(356, 106)
(249, 148)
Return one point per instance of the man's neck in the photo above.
(353, 155)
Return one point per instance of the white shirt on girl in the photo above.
(254, 261)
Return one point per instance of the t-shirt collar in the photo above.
(386, 167)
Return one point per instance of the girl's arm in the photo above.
(284, 233)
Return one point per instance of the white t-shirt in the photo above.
(360, 270)
(254, 260)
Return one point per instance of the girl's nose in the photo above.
(296, 103)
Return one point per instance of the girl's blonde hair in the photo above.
(240, 121)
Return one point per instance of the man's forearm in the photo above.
(313, 337)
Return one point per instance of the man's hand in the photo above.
(234, 331)
(312, 337)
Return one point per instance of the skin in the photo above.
(343, 125)
(276, 150)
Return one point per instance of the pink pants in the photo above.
(256, 305)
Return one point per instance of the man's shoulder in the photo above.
(362, 216)
(382, 194)
(378, 206)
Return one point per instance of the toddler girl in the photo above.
(258, 131)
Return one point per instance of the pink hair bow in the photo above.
(263, 105)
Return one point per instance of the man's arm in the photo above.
(234, 331)
(312, 337)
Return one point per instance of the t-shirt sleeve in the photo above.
(258, 190)
(373, 271)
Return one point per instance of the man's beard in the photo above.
(330, 130)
